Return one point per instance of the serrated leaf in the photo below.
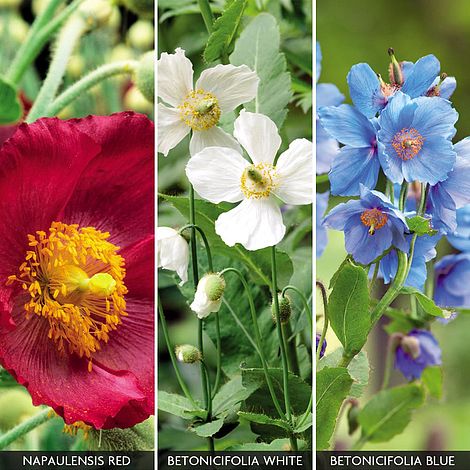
(358, 369)
(277, 444)
(426, 303)
(348, 306)
(258, 47)
(389, 412)
(432, 380)
(303, 423)
(10, 107)
(333, 385)
(420, 225)
(178, 405)
(224, 31)
(208, 429)
(263, 419)
(229, 396)
(258, 262)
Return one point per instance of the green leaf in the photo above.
(277, 444)
(208, 429)
(263, 419)
(358, 369)
(7, 380)
(426, 303)
(389, 412)
(224, 31)
(432, 380)
(178, 405)
(349, 307)
(258, 262)
(258, 47)
(301, 424)
(10, 107)
(230, 396)
(333, 385)
(420, 225)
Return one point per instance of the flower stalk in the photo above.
(325, 315)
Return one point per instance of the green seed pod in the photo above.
(285, 309)
(215, 287)
(145, 76)
(141, 35)
(143, 8)
(188, 354)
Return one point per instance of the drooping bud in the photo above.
(208, 297)
(145, 76)
(96, 12)
(285, 309)
(395, 70)
(215, 286)
(143, 8)
(353, 413)
(323, 346)
(410, 345)
(188, 354)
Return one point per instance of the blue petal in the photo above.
(406, 68)
(407, 366)
(352, 167)
(424, 72)
(319, 57)
(434, 117)
(447, 88)
(339, 215)
(460, 239)
(397, 115)
(442, 209)
(326, 149)
(328, 95)
(321, 232)
(347, 125)
(457, 185)
(391, 164)
(365, 90)
(463, 148)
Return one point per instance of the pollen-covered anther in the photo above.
(407, 143)
(258, 181)
(74, 279)
(375, 219)
(200, 110)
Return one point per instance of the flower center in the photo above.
(259, 180)
(375, 219)
(200, 110)
(74, 279)
(407, 143)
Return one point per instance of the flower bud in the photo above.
(145, 76)
(410, 345)
(323, 346)
(16, 28)
(353, 413)
(188, 354)
(395, 70)
(208, 297)
(143, 8)
(215, 286)
(141, 35)
(134, 100)
(76, 65)
(96, 12)
(285, 309)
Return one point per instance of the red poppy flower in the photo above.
(76, 270)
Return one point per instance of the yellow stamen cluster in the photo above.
(200, 110)
(375, 219)
(75, 281)
(258, 181)
(73, 429)
(407, 143)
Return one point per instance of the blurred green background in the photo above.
(362, 31)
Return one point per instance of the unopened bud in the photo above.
(96, 12)
(410, 345)
(285, 309)
(143, 8)
(141, 35)
(395, 71)
(353, 413)
(214, 287)
(188, 354)
(145, 76)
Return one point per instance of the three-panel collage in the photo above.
(161, 280)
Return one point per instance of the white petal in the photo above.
(255, 223)
(215, 174)
(295, 170)
(213, 137)
(172, 252)
(231, 85)
(171, 130)
(258, 135)
(174, 77)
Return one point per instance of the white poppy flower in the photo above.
(222, 174)
(218, 90)
(208, 296)
(172, 252)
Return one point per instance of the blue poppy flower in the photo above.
(424, 251)
(460, 239)
(454, 192)
(327, 95)
(371, 94)
(452, 274)
(415, 134)
(417, 350)
(322, 236)
(371, 225)
(323, 346)
(357, 162)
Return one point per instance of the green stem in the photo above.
(209, 391)
(403, 194)
(43, 28)
(171, 351)
(65, 44)
(89, 81)
(325, 316)
(205, 241)
(291, 348)
(323, 178)
(390, 191)
(25, 427)
(259, 340)
(374, 276)
(219, 354)
(393, 342)
(307, 309)
(360, 443)
(282, 343)
(207, 14)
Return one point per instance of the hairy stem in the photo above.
(325, 315)
(207, 14)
